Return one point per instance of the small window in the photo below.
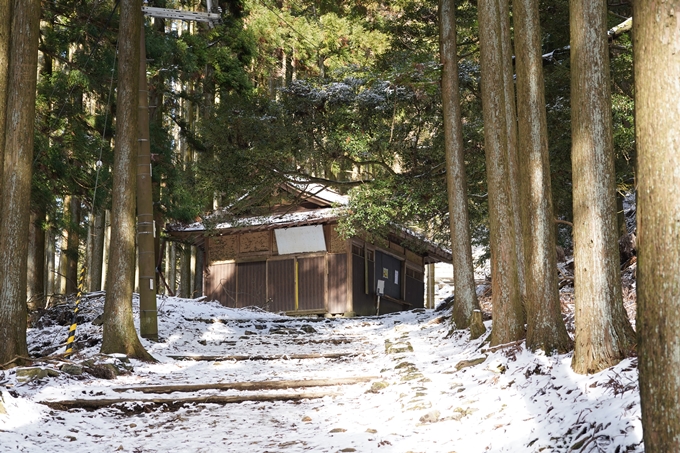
(414, 274)
(370, 254)
(357, 250)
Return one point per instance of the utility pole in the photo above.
(146, 232)
(148, 315)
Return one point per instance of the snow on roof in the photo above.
(274, 220)
(321, 191)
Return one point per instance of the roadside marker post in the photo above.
(74, 324)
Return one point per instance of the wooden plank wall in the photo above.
(281, 285)
(312, 286)
(251, 284)
(337, 283)
(220, 283)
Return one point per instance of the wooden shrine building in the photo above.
(293, 260)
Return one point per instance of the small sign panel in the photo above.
(300, 239)
(380, 289)
(386, 272)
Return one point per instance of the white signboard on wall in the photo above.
(300, 239)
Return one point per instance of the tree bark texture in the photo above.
(5, 27)
(508, 314)
(657, 115)
(119, 334)
(35, 285)
(545, 326)
(456, 182)
(17, 174)
(603, 334)
(185, 272)
(513, 176)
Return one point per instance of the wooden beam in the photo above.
(91, 404)
(258, 385)
(167, 13)
(224, 358)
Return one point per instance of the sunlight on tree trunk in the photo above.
(463, 271)
(657, 90)
(603, 335)
(119, 331)
(185, 272)
(5, 26)
(500, 150)
(545, 327)
(35, 285)
(17, 174)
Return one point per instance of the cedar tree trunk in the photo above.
(499, 146)
(5, 27)
(17, 173)
(119, 331)
(603, 335)
(185, 272)
(35, 285)
(545, 326)
(657, 115)
(463, 270)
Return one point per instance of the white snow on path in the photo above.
(513, 401)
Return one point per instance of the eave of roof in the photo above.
(301, 218)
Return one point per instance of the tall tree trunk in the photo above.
(545, 327)
(5, 27)
(508, 313)
(603, 333)
(463, 270)
(513, 172)
(657, 90)
(35, 285)
(17, 173)
(73, 245)
(185, 272)
(119, 331)
(96, 260)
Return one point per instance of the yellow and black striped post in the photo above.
(72, 329)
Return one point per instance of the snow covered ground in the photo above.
(422, 397)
